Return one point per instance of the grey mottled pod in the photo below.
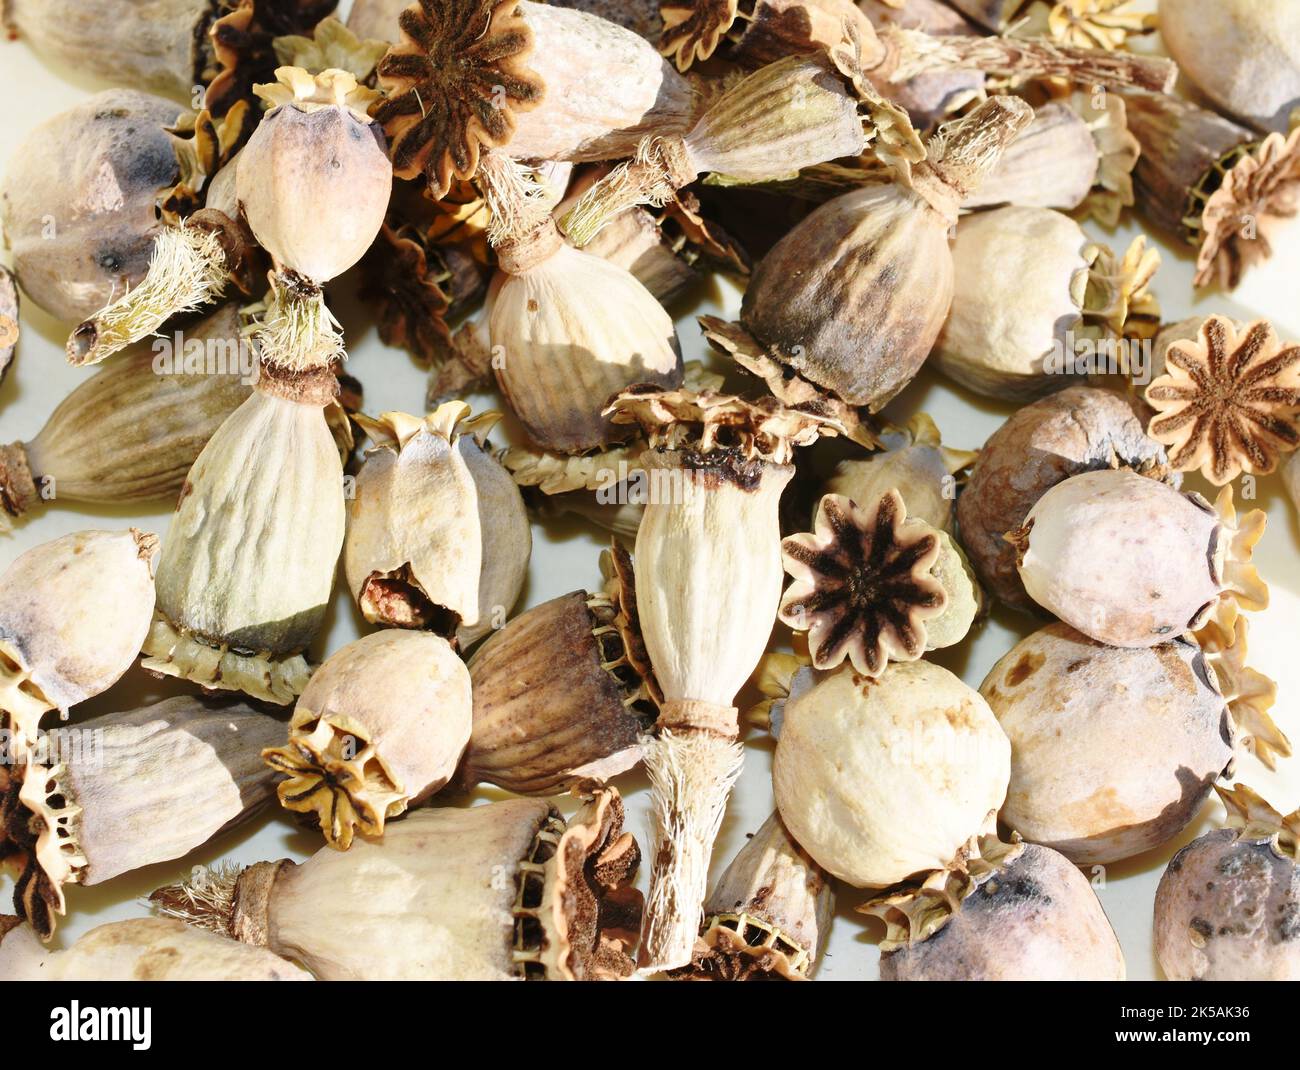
(1028, 915)
(1228, 905)
(78, 200)
(1113, 750)
(126, 790)
(1079, 429)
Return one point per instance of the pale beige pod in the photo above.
(708, 552)
(1036, 304)
(916, 463)
(1114, 750)
(573, 332)
(74, 613)
(499, 892)
(571, 86)
(1053, 164)
(1129, 561)
(139, 949)
(882, 780)
(126, 790)
(78, 200)
(130, 432)
(245, 577)
(414, 548)
(506, 532)
(1076, 430)
(379, 728)
(1242, 54)
(314, 183)
(768, 917)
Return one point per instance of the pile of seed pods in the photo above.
(792, 563)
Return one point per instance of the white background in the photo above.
(565, 556)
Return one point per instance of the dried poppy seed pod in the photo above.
(139, 949)
(863, 585)
(1242, 54)
(1014, 341)
(1168, 558)
(78, 200)
(1079, 429)
(245, 576)
(568, 330)
(74, 613)
(172, 47)
(1053, 164)
(314, 183)
(1018, 912)
(126, 790)
(1228, 904)
(768, 917)
(498, 892)
(1214, 184)
(130, 432)
(1114, 749)
(414, 547)
(562, 693)
(506, 533)
(378, 728)
(536, 81)
(205, 247)
(1228, 401)
(708, 551)
(811, 309)
(914, 460)
(788, 115)
(882, 780)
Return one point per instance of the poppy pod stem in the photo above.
(709, 547)
(188, 269)
(911, 52)
(299, 331)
